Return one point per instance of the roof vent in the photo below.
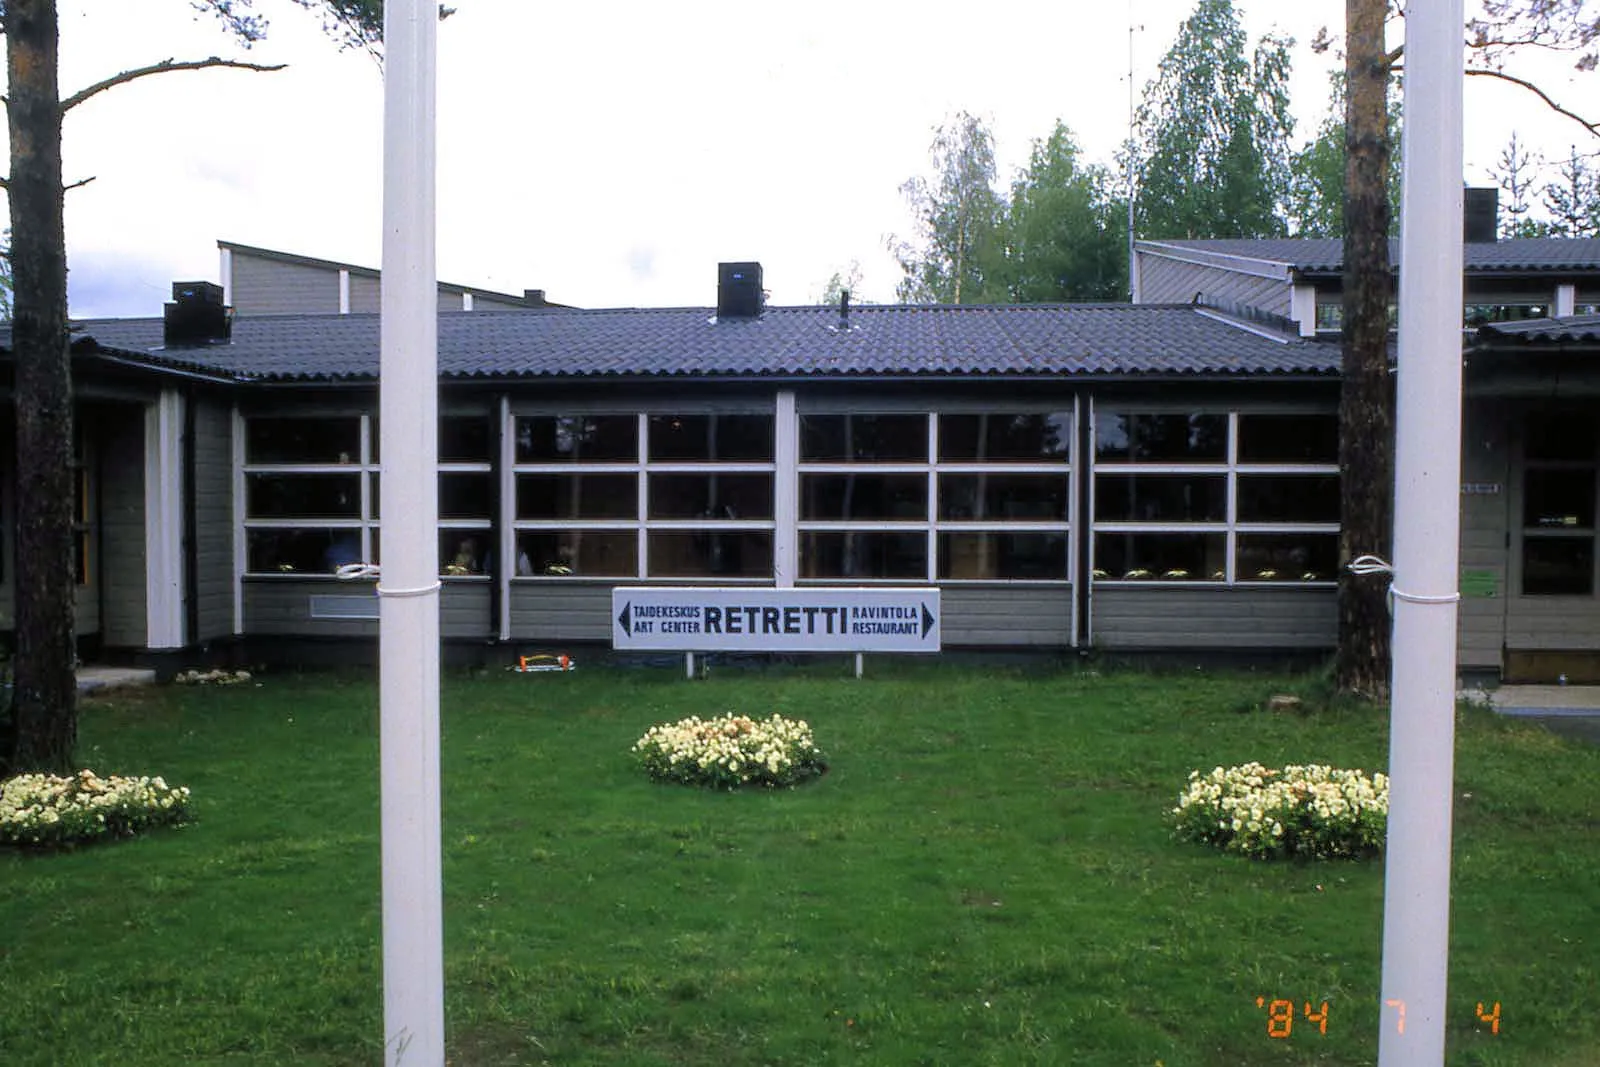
(1480, 210)
(739, 294)
(197, 315)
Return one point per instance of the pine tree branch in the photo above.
(160, 68)
(1591, 126)
(79, 184)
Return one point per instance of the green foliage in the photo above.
(1315, 206)
(959, 247)
(352, 23)
(731, 751)
(1572, 200)
(1066, 229)
(1212, 136)
(1061, 236)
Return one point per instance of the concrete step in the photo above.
(95, 679)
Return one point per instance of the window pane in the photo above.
(863, 439)
(1288, 498)
(303, 496)
(577, 496)
(1561, 437)
(711, 439)
(711, 496)
(577, 439)
(1160, 438)
(334, 439)
(464, 552)
(465, 439)
(1562, 566)
(711, 554)
(972, 497)
(1161, 497)
(1038, 556)
(301, 551)
(584, 553)
(1020, 438)
(1288, 557)
(1304, 438)
(466, 496)
(1559, 498)
(863, 554)
(842, 497)
(1177, 557)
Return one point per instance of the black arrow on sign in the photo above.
(622, 620)
(927, 621)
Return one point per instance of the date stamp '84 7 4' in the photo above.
(1281, 1015)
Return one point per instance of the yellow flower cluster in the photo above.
(1310, 809)
(45, 809)
(730, 751)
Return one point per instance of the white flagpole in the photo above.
(413, 941)
(1416, 899)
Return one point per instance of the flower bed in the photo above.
(731, 751)
(1315, 811)
(43, 810)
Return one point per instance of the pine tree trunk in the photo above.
(46, 689)
(1366, 399)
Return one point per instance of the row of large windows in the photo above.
(895, 496)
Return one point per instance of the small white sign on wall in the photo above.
(690, 619)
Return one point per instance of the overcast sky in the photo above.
(612, 153)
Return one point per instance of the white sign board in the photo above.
(692, 619)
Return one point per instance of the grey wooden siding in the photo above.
(366, 297)
(281, 608)
(121, 566)
(1155, 617)
(213, 520)
(1013, 616)
(264, 286)
(1166, 281)
(553, 612)
(1481, 620)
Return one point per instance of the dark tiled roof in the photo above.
(1326, 255)
(1114, 340)
(1572, 329)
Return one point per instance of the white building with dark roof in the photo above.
(1158, 477)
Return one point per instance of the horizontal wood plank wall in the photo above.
(213, 504)
(1485, 463)
(283, 608)
(560, 611)
(1152, 618)
(365, 295)
(264, 286)
(1014, 616)
(120, 567)
(1165, 281)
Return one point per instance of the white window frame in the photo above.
(641, 468)
(930, 468)
(364, 466)
(1231, 527)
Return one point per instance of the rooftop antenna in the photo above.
(1133, 285)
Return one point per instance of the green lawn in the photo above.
(983, 877)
